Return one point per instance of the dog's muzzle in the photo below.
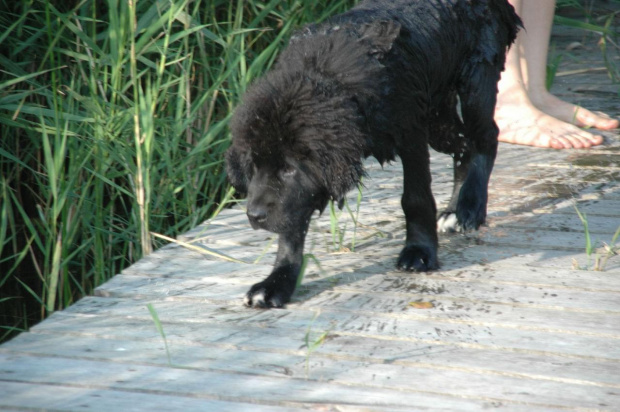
(257, 217)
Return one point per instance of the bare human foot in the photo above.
(526, 112)
(570, 113)
(523, 123)
(543, 120)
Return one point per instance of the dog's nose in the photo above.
(258, 215)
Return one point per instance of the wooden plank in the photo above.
(407, 327)
(525, 270)
(75, 396)
(251, 388)
(522, 295)
(458, 316)
(598, 223)
(505, 259)
(604, 207)
(247, 254)
(564, 234)
(532, 239)
(585, 298)
(455, 381)
(225, 234)
(612, 193)
(285, 355)
(487, 241)
(159, 265)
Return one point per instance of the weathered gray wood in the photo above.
(52, 396)
(232, 386)
(457, 329)
(600, 223)
(454, 292)
(408, 365)
(525, 271)
(286, 359)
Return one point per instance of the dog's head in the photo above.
(299, 137)
(293, 148)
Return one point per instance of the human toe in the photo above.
(598, 120)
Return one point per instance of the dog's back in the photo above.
(438, 38)
(420, 51)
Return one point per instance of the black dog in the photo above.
(381, 80)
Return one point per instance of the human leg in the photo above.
(539, 16)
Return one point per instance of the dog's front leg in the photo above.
(420, 251)
(277, 289)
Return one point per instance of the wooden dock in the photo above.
(517, 318)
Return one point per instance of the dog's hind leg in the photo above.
(478, 98)
(446, 135)
(447, 220)
(420, 251)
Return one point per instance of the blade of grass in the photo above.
(200, 249)
(160, 329)
(584, 221)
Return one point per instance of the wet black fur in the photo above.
(380, 80)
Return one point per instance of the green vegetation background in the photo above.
(113, 118)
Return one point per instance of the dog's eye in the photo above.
(287, 172)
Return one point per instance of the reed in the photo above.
(599, 25)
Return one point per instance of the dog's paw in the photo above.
(448, 223)
(267, 294)
(415, 258)
(471, 218)
(471, 209)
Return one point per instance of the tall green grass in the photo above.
(601, 21)
(113, 119)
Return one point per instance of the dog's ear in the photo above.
(380, 35)
(237, 169)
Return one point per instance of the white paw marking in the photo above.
(247, 301)
(449, 223)
(258, 299)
